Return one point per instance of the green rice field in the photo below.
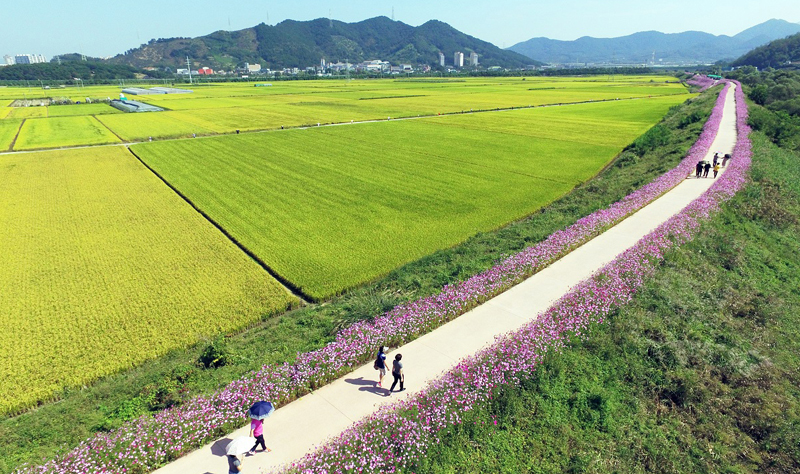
(8, 130)
(62, 132)
(83, 109)
(329, 208)
(103, 267)
(107, 266)
(224, 108)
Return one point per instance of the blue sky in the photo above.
(106, 27)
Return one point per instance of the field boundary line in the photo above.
(94, 116)
(14, 141)
(290, 287)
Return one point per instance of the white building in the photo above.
(458, 59)
(374, 66)
(29, 59)
(252, 67)
(473, 59)
(9, 60)
(441, 59)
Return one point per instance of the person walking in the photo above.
(725, 159)
(716, 170)
(234, 464)
(698, 169)
(380, 365)
(397, 373)
(716, 158)
(706, 169)
(257, 432)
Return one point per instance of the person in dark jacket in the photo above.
(397, 373)
(234, 464)
(706, 169)
(698, 169)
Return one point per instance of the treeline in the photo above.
(87, 71)
(783, 53)
(779, 92)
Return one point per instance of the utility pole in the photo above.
(188, 65)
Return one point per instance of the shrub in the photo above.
(216, 354)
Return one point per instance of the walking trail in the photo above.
(295, 429)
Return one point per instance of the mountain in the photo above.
(777, 54)
(304, 43)
(639, 48)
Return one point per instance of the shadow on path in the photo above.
(218, 448)
(368, 386)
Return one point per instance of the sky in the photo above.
(107, 27)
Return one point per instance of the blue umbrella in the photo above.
(261, 410)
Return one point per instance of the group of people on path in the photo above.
(382, 367)
(257, 426)
(703, 166)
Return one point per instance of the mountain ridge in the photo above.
(781, 53)
(293, 43)
(684, 47)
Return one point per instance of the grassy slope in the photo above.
(104, 267)
(105, 404)
(698, 374)
(394, 191)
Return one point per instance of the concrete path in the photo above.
(295, 429)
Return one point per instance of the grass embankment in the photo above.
(698, 374)
(166, 380)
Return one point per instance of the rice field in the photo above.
(224, 108)
(329, 208)
(27, 112)
(102, 266)
(81, 109)
(62, 132)
(8, 130)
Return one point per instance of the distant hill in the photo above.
(780, 53)
(638, 48)
(304, 43)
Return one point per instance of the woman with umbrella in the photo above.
(258, 412)
(233, 450)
